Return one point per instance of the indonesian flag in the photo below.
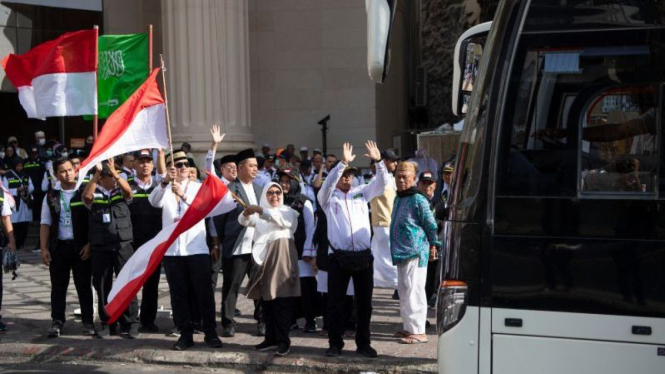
(57, 78)
(139, 123)
(211, 200)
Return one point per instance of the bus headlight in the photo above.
(451, 304)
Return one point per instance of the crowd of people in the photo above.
(311, 232)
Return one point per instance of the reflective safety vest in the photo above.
(146, 219)
(110, 223)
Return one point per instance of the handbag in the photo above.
(354, 260)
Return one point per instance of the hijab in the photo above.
(268, 231)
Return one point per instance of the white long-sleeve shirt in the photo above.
(192, 241)
(347, 214)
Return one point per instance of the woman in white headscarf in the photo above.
(276, 281)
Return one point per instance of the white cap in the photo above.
(303, 148)
(39, 133)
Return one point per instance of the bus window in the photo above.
(619, 147)
(577, 106)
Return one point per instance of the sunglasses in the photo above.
(179, 165)
(274, 193)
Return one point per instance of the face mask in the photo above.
(64, 154)
(2, 154)
(42, 141)
(49, 153)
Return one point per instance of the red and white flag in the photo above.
(57, 78)
(211, 200)
(139, 123)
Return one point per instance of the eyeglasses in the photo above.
(179, 165)
(274, 193)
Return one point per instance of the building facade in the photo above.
(266, 71)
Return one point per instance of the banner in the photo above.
(123, 67)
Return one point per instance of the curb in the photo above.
(258, 361)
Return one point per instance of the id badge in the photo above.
(67, 219)
(106, 218)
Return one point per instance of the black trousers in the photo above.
(181, 271)
(278, 315)
(431, 281)
(216, 267)
(234, 270)
(20, 233)
(149, 294)
(38, 196)
(338, 282)
(310, 299)
(104, 265)
(65, 258)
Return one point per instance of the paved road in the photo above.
(26, 311)
(110, 368)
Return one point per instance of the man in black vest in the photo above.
(146, 224)
(236, 241)
(63, 238)
(35, 169)
(107, 196)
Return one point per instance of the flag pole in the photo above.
(166, 105)
(95, 117)
(149, 48)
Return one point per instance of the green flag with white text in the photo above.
(123, 67)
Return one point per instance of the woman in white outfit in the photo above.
(276, 281)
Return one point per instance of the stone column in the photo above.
(206, 44)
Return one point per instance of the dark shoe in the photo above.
(107, 330)
(282, 350)
(333, 351)
(395, 295)
(260, 329)
(265, 346)
(183, 343)
(89, 329)
(310, 327)
(212, 340)
(237, 312)
(56, 329)
(229, 332)
(367, 351)
(198, 328)
(133, 332)
(3, 327)
(149, 328)
(294, 327)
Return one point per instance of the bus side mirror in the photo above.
(380, 15)
(468, 51)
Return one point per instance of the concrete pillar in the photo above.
(206, 44)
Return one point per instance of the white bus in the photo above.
(554, 257)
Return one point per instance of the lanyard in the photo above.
(179, 200)
(67, 207)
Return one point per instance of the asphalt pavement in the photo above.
(26, 312)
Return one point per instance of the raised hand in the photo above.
(372, 151)
(347, 153)
(216, 133)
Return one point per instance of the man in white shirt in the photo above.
(65, 247)
(236, 242)
(349, 239)
(187, 261)
(6, 213)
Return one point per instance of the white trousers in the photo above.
(412, 297)
(385, 273)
